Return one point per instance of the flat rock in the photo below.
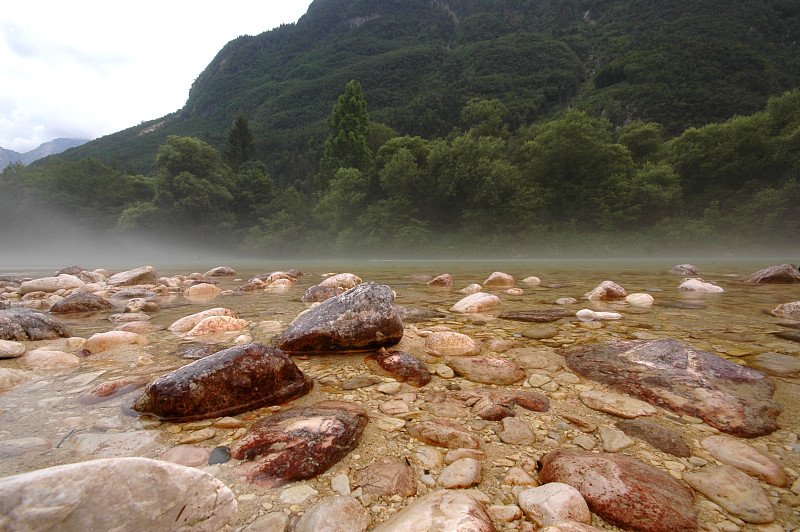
(487, 370)
(668, 373)
(554, 502)
(516, 432)
(624, 491)
(226, 383)
(747, 458)
(80, 303)
(784, 273)
(387, 477)
(541, 332)
(440, 510)
(400, 366)
(187, 455)
(115, 494)
(110, 389)
(528, 400)
(362, 319)
(776, 364)
(9, 349)
(657, 435)
(50, 359)
(360, 381)
(345, 281)
(461, 474)
(334, 514)
(477, 302)
(444, 433)
(136, 276)
(538, 316)
(450, 344)
(298, 443)
(188, 323)
(50, 284)
(21, 324)
(614, 440)
(619, 405)
(20, 446)
(735, 491)
(202, 291)
(113, 445)
(9, 378)
(607, 291)
(695, 284)
(218, 325)
(101, 341)
(685, 269)
(788, 310)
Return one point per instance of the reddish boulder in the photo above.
(386, 477)
(401, 366)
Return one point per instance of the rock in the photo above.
(231, 381)
(320, 293)
(471, 289)
(776, 364)
(614, 440)
(220, 271)
(102, 341)
(788, 310)
(655, 434)
(685, 269)
(21, 446)
(489, 410)
(696, 284)
(50, 359)
(554, 502)
(736, 492)
(516, 432)
(788, 335)
(188, 323)
(619, 405)
(115, 494)
(784, 273)
(219, 455)
(298, 443)
(138, 327)
(271, 522)
(110, 389)
(334, 514)
(137, 276)
(400, 366)
(569, 526)
(640, 299)
(624, 491)
(134, 293)
(590, 315)
(542, 332)
(440, 510)
(70, 270)
(444, 433)
(361, 319)
(218, 325)
(21, 324)
(745, 457)
(139, 304)
(186, 455)
(9, 378)
(532, 281)
(532, 401)
(386, 477)
(477, 302)
(415, 315)
(461, 474)
(539, 316)
(10, 349)
(505, 513)
(202, 291)
(667, 373)
(50, 284)
(499, 279)
(487, 370)
(501, 345)
(450, 344)
(606, 291)
(345, 281)
(80, 303)
(443, 280)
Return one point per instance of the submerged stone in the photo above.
(80, 303)
(401, 366)
(20, 324)
(299, 443)
(487, 370)
(235, 380)
(538, 316)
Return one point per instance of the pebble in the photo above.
(462, 473)
(584, 441)
(553, 502)
(389, 424)
(444, 371)
(297, 494)
(271, 522)
(745, 457)
(341, 484)
(505, 513)
(537, 380)
(10, 349)
(614, 440)
(199, 435)
(389, 388)
(453, 455)
(228, 423)
(516, 432)
(617, 404)
(21, 446)
(220, 455)
(187, 455)
(394, 407)
(540, 332)
(360, 381)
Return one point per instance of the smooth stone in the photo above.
(360, 381)
(532, 281)
(21, 446)
(486, 408)
(505, 513)
(590, 315)
(138, 327)
(218, 325)
(115, 494)
(187, 455)
(220, 271)
(394, 407)
(516, 432)
(299, 442)
(110, 389)
(695, 284)
(386, 477)
(499, 279)
(584, 441)
(400, 366)
(619, 405)
(477, 302)
(517, 476)
(99, 342)
(345, 281)
(623, 490)
(334, 514)
(50, 284)
(188, 323)
(776, 364)
(363, 318)
(540, 333)
(226, 383)
(444, 433)
(739, 494)
(684, 269)
(614, 440)
(788, 310)
(537, 316)
(487, 370)
(47, 359)
(198, 435)
(548, 504)
(389, 424)
(271, 522)
(501, 345)
(473, 288)
(657, 435)
(454, 455)
(747, 458)
(462, 473)
(219, 455)
(113, 445)
(727, 396)
(136, 276)
(202, 291)
(566, 301)
(297, 494)
(442, 280)
(528, 400)
(640, 299)
(569, 526)
(606, 291)
(784, 273)
(22, 324)
(389, 388)
(341, 484)
(80, 303)
(440, 510)
(449, 343)
(9, 349)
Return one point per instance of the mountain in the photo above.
(48, 148)
(681, 63)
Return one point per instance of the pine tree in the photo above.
(240, 146)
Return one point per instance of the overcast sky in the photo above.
(88, 68)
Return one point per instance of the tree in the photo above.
(240, 146)
(346, 146)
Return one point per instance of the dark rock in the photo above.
(401, 366)
(320, 293)
(4, 302)
(249, 287)
(25, 324)
(226, 383)
(532, 401)
(487, 370)
(363, 318)
(667, 373)
(386, 477)
(80, 303)
(220, 455)
(196, 351)
(656, 434)
(299, 443)
(788, 335)
(135, 293)
(685, 269)
(70, 270)
(143, 275)
(538, 316)
(360, 381)
(488, 409)
(110, 389)
(623, 490)
(785, 273)
(444, 433)
(416, 315)
(220, 271)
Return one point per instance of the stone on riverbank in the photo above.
(499, 279)
(442, 280)
(444, 433)
(50, 284)
(387, 477)
(736, 492)
(451, 344)
(440, 510)
(10, 349)
(345, 281)
(478, 302)
(319, 293)
(220, 271)
(333, 514)
(101, 341)
(401, 366)
(685, 269)
(10, 378)
(788, 310)
(80, 303)
(607, 291)
(656, 434)
(188, 323)
(695, 284)
(746, 458)
(134, 277)
(554, 502)
(226, 383)
(782, 274)
(487, 370)
(21, 324)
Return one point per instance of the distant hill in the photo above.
(48, 148)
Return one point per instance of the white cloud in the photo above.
(90, 68)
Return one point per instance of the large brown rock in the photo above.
(656, 434)
(363, 318)
(21, 324)
(487, 370)
(299, 443)
(784, 273)
(80, 303)
(670, 374)
(387, 477)
(401, 366)
(624, 491)
(226, 383)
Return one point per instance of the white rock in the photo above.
(462, 473)
(590, 315)
(116, 494)
(553, 502)
(334, 514)
(448, 343)
(614, 440)
(102, 341)
(477, 302)
(9, 349)
(202, 291)
(695, 284)
(12, 377)
(297, 494)
(218, 325)
(440, 510)
(617, 404)
(50, 359)
(640, 299)
(189, 322)
(345, 281)
(50, 284)
(789, 310)
(472, 289)
(341, 484)
(532, 280)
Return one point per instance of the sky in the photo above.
(88, 68)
